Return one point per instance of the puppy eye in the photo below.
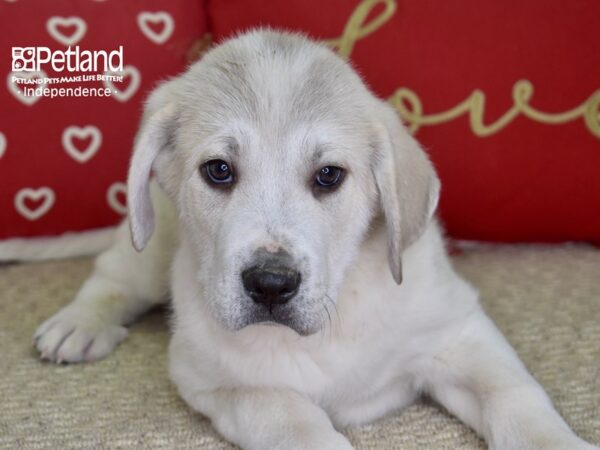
(218, 172)
(329, 176)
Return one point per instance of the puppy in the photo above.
(284, 190)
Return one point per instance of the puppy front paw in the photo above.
(77, 335)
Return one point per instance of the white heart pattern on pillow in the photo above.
(16, 91)
(123, 95)
(160, 17)
(34, 212)
(79, 155)
(112, 197)
(84, 141)
(56, 21)
(2, 144)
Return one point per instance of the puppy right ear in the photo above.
(150, 140)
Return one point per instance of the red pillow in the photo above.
(503, 96)
(509, 173)
(63, 160)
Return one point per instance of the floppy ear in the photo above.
(407, 183)
(152, 137)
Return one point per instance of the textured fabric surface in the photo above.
(545, 299)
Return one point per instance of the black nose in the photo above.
(271, 285)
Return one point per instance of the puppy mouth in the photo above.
(280, 316)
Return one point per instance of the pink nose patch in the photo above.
(273, 247)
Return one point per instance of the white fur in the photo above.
(360, 345)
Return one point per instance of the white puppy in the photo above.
(287, 183)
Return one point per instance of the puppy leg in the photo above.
(124, 285)
(261, 418)
(480, 379)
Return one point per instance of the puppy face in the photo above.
(292, 209)
(276, 178)
(270, 148)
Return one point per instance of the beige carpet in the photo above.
(545, 299)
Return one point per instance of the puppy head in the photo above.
(277, 159)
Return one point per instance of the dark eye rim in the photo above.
(211, 179)
(329, 186)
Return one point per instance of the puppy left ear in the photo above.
(407, 183)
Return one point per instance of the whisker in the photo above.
(337, 313)
(329, 327)
(328, 315)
